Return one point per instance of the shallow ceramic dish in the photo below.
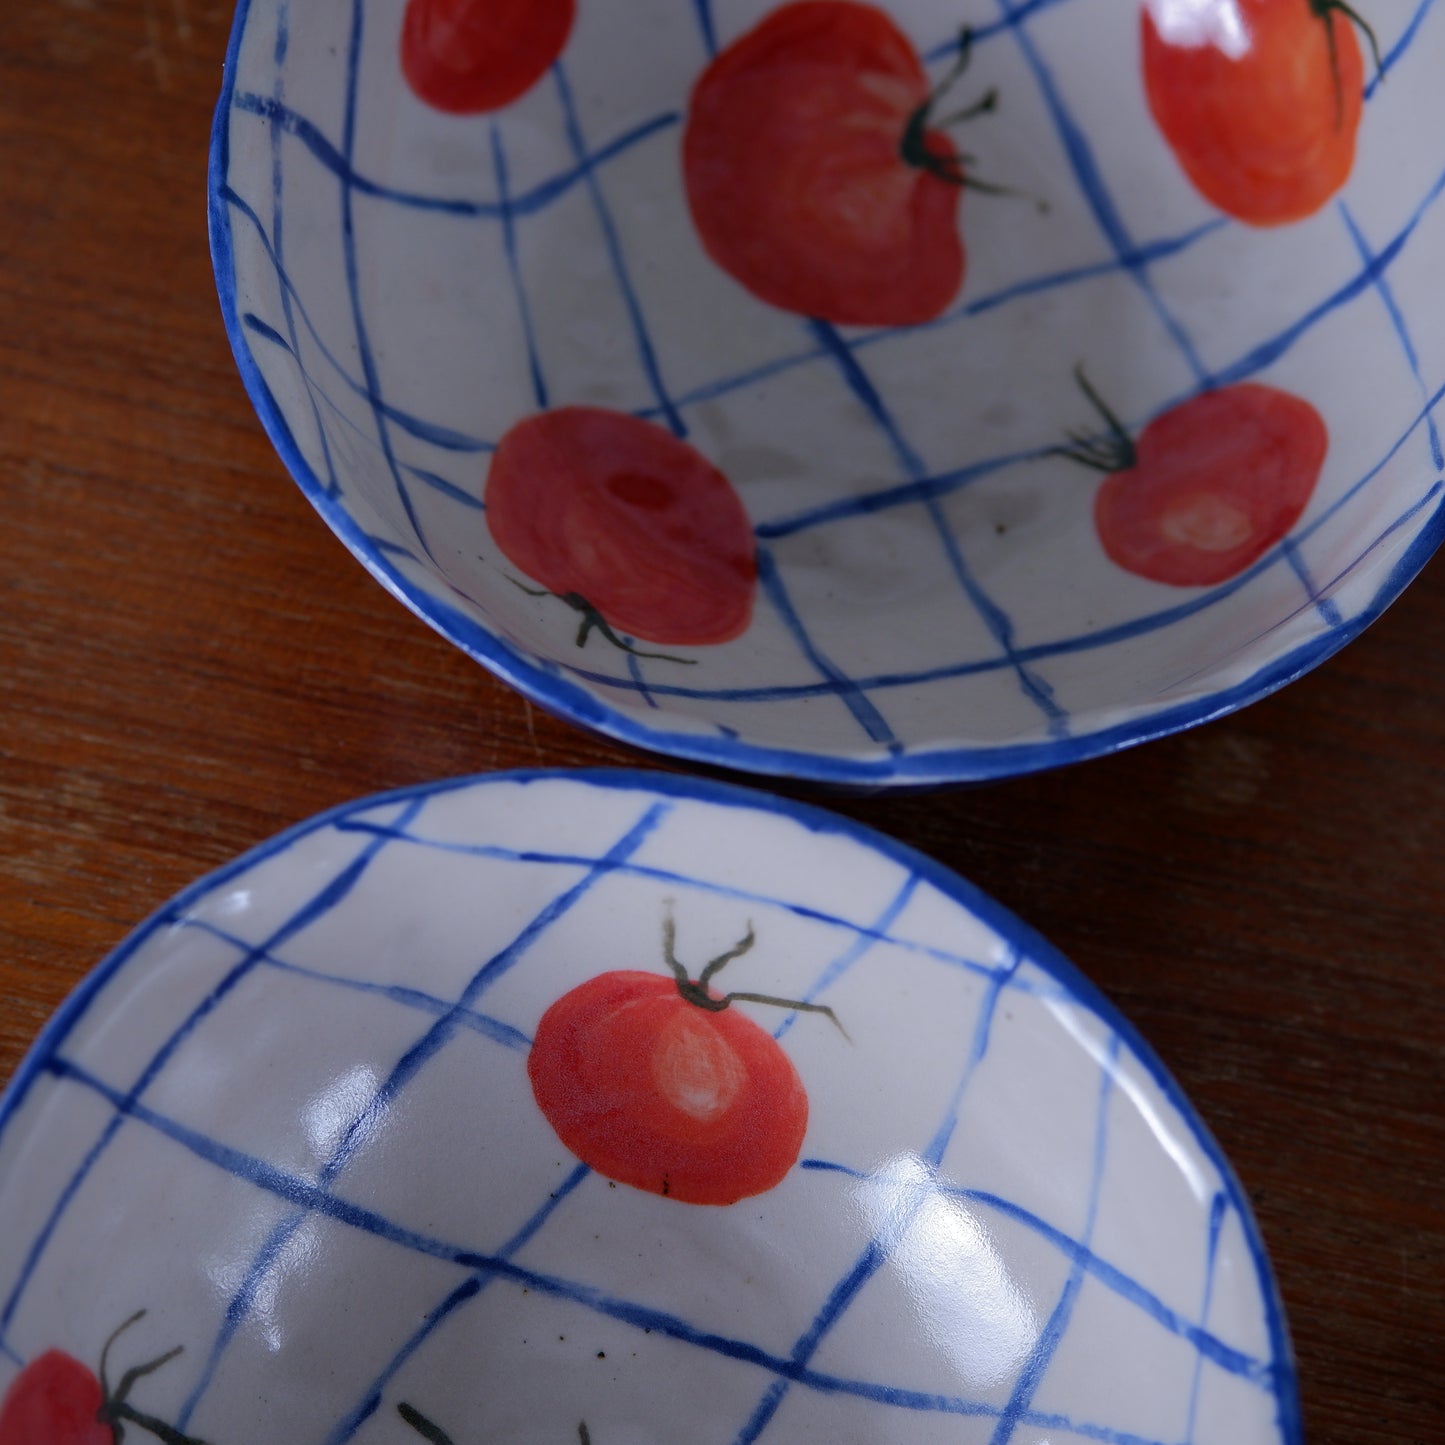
(684, 385)
(311, 1117)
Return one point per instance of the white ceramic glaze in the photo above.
(933, 604)
(292, 1120)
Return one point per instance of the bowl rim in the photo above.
(900, 769)
(819, 821)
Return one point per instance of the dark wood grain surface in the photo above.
(189, 661)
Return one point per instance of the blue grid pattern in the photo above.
(736, 731)
(655, 817)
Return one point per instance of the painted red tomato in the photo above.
(657, 1091)
(469, 56)
(1212, 485)
(54, 1400)
(811, 172)
(615, 513)
(1259, 99)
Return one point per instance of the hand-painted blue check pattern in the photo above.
(420, 486)
(1226, 1373)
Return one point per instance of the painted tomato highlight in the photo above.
(1260, 100)
(813, 177)
(471, 56)
(655, 1092)
(1210, 486)
(657, 1082)
(617, 515)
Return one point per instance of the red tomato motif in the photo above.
(54, 1400)
(811, 172)
(657, 1092)
(469, 56)
(1260, 100)
(615, 514)
(1211, 485)
(658, 1082)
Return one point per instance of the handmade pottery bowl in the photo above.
(603, 1107)
(815, 389)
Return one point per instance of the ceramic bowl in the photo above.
(405, 1122)
(810, 390)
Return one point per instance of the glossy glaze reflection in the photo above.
(537, 1100)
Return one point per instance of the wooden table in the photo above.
(189, 661)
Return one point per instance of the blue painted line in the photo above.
(1269, 351)
(529, 203)
(538, 198)
(634, 671)
(1139, 258)
(861, 385)
(1224, 1356)
(294, 1189)
(925, 489)
(267, 332)
(1032, 1372)
(393, 549)
(350, 1423)
(471, 500)
(10, 1354)
(1090, 180)
(977, 36)
(1135, 627)
(431, 479)
(703, 10)
(563, 691)
(1396, 52)
(283, 34)
(738, 381)
(978, 1048)
(853, 697)
(1211, 1347)
(364, 1126)
(353, 279)
(411, 998)
(463, 1294)
(1217, 1207)
(314, 908)
(646, 352)
(514, 267)
(430, 432)
(1402, 331)
(998, 622)
(868, 1263)
(994, 618)
(876, 1252)
(865, 933)
(43, 1062)
(1143, 255)
(1327, 607)
(1432, 497)
(841, 966)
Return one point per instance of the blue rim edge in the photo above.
(817, 820)
(568, 700)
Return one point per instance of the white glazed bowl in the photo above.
(913, 585)
(306, 1119)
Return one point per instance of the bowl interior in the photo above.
(307, 1120)
(937, 577)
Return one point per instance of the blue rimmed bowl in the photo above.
(685, 365)
(343, 1145)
